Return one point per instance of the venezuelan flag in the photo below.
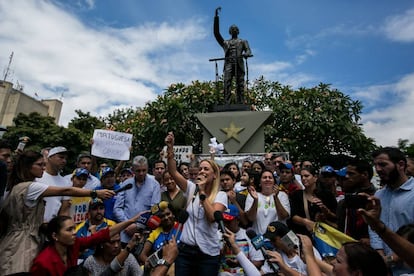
(328, 240)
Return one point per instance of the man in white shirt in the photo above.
(55, 205)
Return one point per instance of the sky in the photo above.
(102, 55)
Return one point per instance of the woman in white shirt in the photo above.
(199, 246)
(268, 205)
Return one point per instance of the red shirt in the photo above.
(48, 262)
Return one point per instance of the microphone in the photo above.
(146, 220)
(126, 187)
(218, 217)
(258, 243)
(197, 189)
(181, 218)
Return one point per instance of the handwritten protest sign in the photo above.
(79, 209)
(181, 153)
(111, 144)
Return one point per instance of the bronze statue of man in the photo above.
(235, 49)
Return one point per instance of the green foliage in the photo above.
(43, 132)
(310, 123)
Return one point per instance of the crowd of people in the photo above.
(257, 217)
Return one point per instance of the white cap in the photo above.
(56, 150)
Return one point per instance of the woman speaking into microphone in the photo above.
(199, 248)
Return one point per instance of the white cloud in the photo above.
(400, 27)
(394, 121)
(97, 69)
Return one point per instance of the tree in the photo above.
(43, 132)
(86, 124)
(313, 123)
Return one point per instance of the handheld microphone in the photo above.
(258, 243)
(195, 193)
(181, 218)
(218, 217)
(146, 220)
(126, 187)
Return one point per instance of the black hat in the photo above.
(276, 229)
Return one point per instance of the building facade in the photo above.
(13, 102)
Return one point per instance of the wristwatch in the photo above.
(94, 194)
(163, 262)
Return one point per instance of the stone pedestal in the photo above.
(239, 131)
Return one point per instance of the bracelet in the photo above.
(128, 249)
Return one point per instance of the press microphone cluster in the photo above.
(148, 221)
(258, 243)
(181, 218)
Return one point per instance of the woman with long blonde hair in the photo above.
(199, 246)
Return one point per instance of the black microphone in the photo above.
(259, 244)
(126, 187)
(218, 217)
(195, 192)
(181, 218)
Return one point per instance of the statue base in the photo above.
(230, 107)
(239, 131)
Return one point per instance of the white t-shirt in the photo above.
(53, 203)
(34, 191)
(266, 210)
(197, 230)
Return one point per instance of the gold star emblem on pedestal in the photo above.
(232, 131)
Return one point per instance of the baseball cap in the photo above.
(327, 170)
(286, 165)
(106, 170)
(127, 170)
(96, 202)
(81, 171)
(276, 229)
(56, 150)
(231, 213)
(341, 172)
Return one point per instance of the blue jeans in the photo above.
(191, 261)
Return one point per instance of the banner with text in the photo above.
(181, 153)
(111, 144)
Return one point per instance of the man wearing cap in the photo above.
(108, 181)
(229, 265)
(144, 194)
(289, 260)
(358, 176)
(84, 161)
(125, 174)
(95, 222)
(56, 161)
(287, 179)
(79, 205)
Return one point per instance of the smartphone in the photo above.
(355, 201)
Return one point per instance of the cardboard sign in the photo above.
(111, 144)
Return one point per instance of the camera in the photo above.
(154, 258)
(355, 201)
(291, 240)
